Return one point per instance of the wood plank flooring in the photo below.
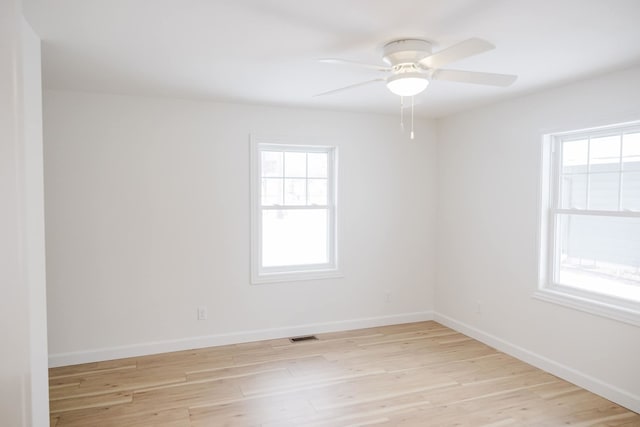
(418, 374)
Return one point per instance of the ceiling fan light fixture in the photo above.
(407, 84)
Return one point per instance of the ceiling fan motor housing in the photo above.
(406, 51)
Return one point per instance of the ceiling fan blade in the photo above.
(357, 64)
(349, 87)
(456, 52)
(490, 79)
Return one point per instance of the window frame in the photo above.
(613, 307)
(260, 274)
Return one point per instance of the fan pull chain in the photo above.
(412, 117)
(402, 113)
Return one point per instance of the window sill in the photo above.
(592, 304)
(295, 276)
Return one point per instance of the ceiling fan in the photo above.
(411, 66)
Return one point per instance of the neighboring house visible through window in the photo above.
(591, 221)
(293, 211)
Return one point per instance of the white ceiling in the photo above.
(266, 51)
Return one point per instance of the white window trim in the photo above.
(594, 303)
(261, 275)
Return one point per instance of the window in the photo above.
(591, 221)
(294, 211)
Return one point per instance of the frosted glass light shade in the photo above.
(407, 84)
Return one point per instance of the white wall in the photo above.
(487, 218)
(34, 222)
(147, 209)
(23, 329)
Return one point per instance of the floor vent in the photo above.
(305, 338)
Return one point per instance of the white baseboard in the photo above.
(594, 385)
(101, 354)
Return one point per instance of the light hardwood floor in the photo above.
(418, 374)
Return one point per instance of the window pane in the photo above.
(295, 192)
(317, 164)
(630, 191)
(631, 151)
(271, 191)
(574, 191)
(271, 163)
(317, 192)
(295, 165)
(603, 191)
(600, 254)
(604, 154)
(294, 237)
(574, 156)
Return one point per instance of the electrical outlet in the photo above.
(202, 313)
(479, 307)
(387, 297)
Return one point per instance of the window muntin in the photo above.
(593, 225)
(294, 199)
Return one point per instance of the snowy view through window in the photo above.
(295, 221)
(598, 217)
